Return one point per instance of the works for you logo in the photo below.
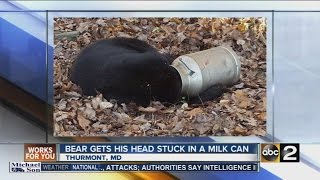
(24, 167)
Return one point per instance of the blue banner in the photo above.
(160, 148)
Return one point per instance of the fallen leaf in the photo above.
(182, 28)
(168, 29)
(90, 113)
(145, 127)
(83, 122)
(239, 130)
(194, 112)
(62, 105)
(181, 37)
(178, 127)
(241, 41)
(148, 109)
(262, 116)
(135, 127)
(239, 86)
(168, 111)
(96, 125)
(72, 94)
(61, 117)
(96, 101)
(202, 128)
(161, 125)
(251, 122)
(122, 116)
(158, 105)
(227, 131)
(141, 118)
(105, 105)
(224, 101)
(184, 106)
(241, 98)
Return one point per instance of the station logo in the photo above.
(280, 153)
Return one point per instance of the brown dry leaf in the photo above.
(202, 128)
(62, 105)
(227, 131)
(161, 125)
(216, 127)
(241, 41)
(168, 29)
(215, 25)
(235, 34)
(207, 41)
(145, 127)
(240, 130)
(224, 101)
(96, 125)
(243, 27)
(61, 117)
(83, 27)
(181, 37)
(194, 112)
(100, 22)
(196, 36)
(72, 94)
(251, 122)
(182, 28)
(135, 127)
(142, 37)
(262, 116)
(96, 101)
(90, 113)
(239, 86)
(66, 87)
(168, 111)
(241, 98)
(259, 132)
(244, 104)
(141, 119)
(83, 122)
(122, 116)
(147, 109)
(264, 102)
(185, 106)
(105, 105)
(176, 20)
(178, 127)
(135, 28)
(123, 34)
(158, 105)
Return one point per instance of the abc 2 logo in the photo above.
(280, 153)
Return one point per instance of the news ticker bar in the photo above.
(145, 152)
(37, 167)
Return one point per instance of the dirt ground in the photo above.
(241, 111)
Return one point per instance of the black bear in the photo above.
(128, 69)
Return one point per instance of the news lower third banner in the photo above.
(157, 152)
(138, 157)
(120, 152)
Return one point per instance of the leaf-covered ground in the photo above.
(241, 111)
